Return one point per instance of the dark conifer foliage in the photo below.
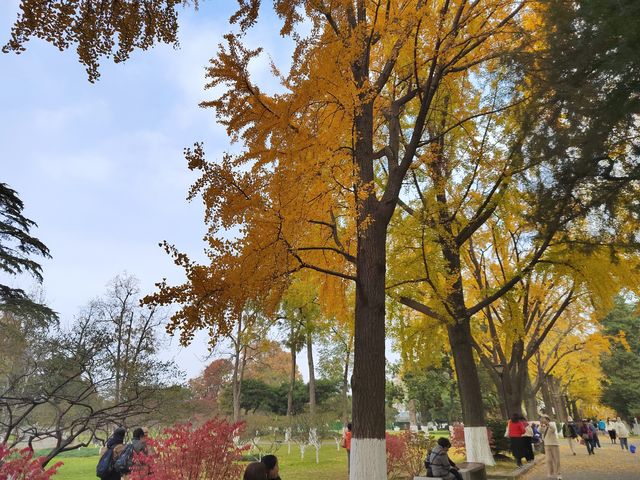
(17, 249)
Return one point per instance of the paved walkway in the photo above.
(608, 463)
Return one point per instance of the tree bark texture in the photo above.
(345, 383)
(368, 458)
(312, 376)
(467, 373)
(292, 380)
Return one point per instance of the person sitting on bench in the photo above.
(439, 464)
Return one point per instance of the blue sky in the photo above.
(100, 166)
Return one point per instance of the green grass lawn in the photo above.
(77, 468)
(333, 465)
(80, 465)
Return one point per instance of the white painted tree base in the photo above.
(476, 443)
(368, 459)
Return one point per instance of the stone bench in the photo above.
(472, 471)
(469, 471)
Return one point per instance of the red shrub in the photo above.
(396, 446)
(187, 453)
(20, 465)
(457, 436)
(406, 453)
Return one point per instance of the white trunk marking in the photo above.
(476, 443)
(368, 459)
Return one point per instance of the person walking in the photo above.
(595, 439)
(611, 429)
(584, 430)
(115, 445)
(551, 444)
(138, 445)
(528, 440)
(602, 426)
(570, 432)
(516, 428)
(623, 434)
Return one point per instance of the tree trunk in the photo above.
(512, 390)
(413, 417)
(558, 400)
(530, 401)
(292, 379)
(345, 383)
(368, 457)
(461, 342)
(368, 453)
(576, 411)
(238, 373)
(476, 438)
(312, 377)
(467, 374)
(546, 396)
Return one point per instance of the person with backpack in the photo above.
(585, 431)
(439, 464)
(138, 444)
(105, 469)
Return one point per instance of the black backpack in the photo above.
(125, 460)
(105, 464)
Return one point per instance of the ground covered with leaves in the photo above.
(608, 463)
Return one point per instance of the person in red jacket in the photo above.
(516, 429)
(347, 445)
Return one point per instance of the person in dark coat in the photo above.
(115, 442)
(117, 438)
(440, 465)
(273, 468)
(586, 434)
(595, 439)
(255, 471)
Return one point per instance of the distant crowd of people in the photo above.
(525, 435)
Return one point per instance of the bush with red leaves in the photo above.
(457, 437)
(406, 453)
(184, 452)
(20, 465)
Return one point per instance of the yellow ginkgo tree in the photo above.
(380, 97)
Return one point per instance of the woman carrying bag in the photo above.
(551, 446)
